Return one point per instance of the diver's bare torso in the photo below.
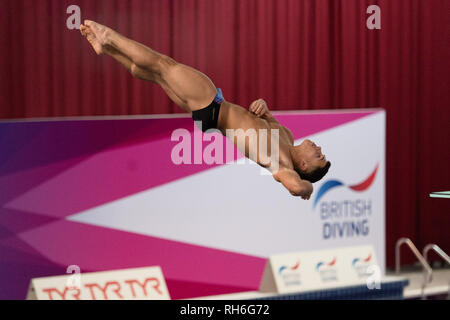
(235, 117)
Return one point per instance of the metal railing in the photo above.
(436, 249)
(427, 271)
(441, 253)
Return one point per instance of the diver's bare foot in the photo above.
(90, 36)
(101, 32)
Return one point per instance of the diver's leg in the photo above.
(136, 71)
(190, 85)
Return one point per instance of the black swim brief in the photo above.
(209, 115)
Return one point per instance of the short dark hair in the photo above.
(316, 175)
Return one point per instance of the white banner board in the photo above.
(323, 269)
(129, 284)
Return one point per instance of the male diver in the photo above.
(298, 166)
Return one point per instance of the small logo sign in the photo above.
(327, 270)
(290, 274)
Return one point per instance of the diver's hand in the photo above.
(306, 190)
(293, 183)
(259, 108)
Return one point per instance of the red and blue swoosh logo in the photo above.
(366, 260)
(331, 184)
(295, 267)
(330, 264)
